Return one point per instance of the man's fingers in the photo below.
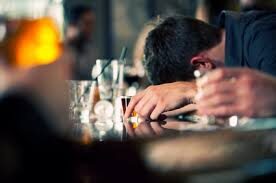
(146, 110)
(218, 75)
(142, 103)
(215, 88)
(159, 108)
(186, 109)
(132, 104)
(217, 100)
(222, 111)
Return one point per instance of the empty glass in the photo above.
(81, 99)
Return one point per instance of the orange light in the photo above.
(35, 42)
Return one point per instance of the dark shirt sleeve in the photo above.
(262, 48)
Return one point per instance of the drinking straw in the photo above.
(123, 54)
(120, 81)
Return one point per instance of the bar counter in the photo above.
(230, 155)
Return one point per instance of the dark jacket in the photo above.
(250, 40)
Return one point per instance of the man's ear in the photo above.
(202, 63)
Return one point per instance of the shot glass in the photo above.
(134, 118)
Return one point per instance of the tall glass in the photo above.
(83, 97)
(81, 100)
(134, 118)
(107, 72)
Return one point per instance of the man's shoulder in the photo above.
(259, 19)
(256, 24)
(250, 17)
(249, 24)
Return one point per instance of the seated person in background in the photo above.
(180, 45)
(80, 36)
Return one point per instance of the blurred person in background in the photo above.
(180, 45)
(35, 130)
(138, 54)
(80, 38)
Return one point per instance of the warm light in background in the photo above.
(35, 42)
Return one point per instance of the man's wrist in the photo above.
(190, 92)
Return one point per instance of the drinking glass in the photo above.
(103, 125)
(107, 72)
(80, 100)
(134, 118)
(83, 98)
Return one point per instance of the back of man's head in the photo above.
(171, 46)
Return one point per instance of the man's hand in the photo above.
(155, 100)
(242, 92)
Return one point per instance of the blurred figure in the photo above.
(80, 38)
(34, 125)
(35, 73)
(33, 103)
(209, 10)
(247, 5)
(44, 89)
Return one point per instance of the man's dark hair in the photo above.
(172, 44)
